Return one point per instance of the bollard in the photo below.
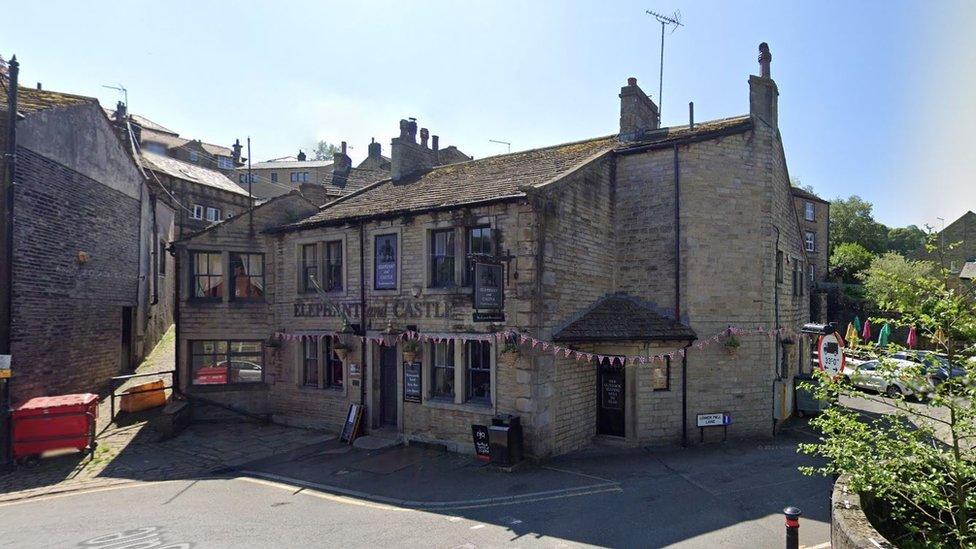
(792, 527)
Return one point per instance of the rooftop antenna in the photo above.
(502, 143)
(120, 88)
(674, 21)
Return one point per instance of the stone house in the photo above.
(962, 234)
(814, 215)
(645, 277)
(85, 286)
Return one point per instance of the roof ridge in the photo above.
(536, 149)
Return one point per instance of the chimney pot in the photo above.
(39, 86)
(765, 58)
(424, 136)
(435, 142)
(631, 81)
(375, 149)
(691, 115)
(301, 155)
(343, 147)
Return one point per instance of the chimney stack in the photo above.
(424, 136)
(236, 154)
(39, 86)
(341, 165)
(763, 93)
(638, 113)
(343, 147)
(407, 157)
(301, 155)
(120, 112)
(375, 149)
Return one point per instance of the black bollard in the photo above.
(792, 527)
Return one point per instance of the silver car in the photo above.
(900, 380)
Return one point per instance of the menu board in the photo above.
(351, 427)
(489, 292)
(612, 391)
(412, 382)
(481, 446)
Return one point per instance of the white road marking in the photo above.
(477, 526)
(88, 491)
(323, 495)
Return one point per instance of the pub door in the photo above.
(610, 399)
(388, 386)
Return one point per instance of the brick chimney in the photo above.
(763, 93)
(638, 114)
(301, 155)
(407, 156)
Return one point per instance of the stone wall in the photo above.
(67, 318)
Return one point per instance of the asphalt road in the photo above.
(721, 496)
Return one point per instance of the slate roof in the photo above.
(803, 193)
(462, 183)
(190, 172)
(621, 317)
(288, 164)
(32, 100)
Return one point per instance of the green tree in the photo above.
(848, 260)
(851, 220)
(905, 239)
(323, 150)
(919, 461)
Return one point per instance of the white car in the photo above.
(898, 381)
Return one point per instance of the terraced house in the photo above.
(651, 242)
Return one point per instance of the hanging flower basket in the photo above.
(342, 351)
(732, 344)
(511, 354)
(411, 350)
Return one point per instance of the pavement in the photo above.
(328, 493)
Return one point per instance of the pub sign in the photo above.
(489, 292)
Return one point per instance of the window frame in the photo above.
(233, 278)
(227, 356)
(467, 275)
(303, 265)
(194, 275)
(194, 156)
(216, 212)
(294, 177)
(449, 365)
(274, 177)
(448, 255)
(809, 211)
(327, 364)
(485, 369)
(197, 213)
(810, 241)
(329, 263)
(225, 162)
(304, 381)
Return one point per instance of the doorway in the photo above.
(611, 399)
(388, 386)
(126, 350)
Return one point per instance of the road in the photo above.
(719, 496)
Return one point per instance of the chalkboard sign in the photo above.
(481, 446)
(351, 427)
(412, 382)
(612, 391)
(488, 286)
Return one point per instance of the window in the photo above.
(294, 177)
(213, 214)
(310, 362)
(385, 262)
(309, 267)
(779, 266)
(442, 258)
(333, 266)
(194, 156)
(661, 375)
(478, 362)
(207, 275)
(442, 368)
(248, 276)
(274, 177)
(478, 241)
(299, 177)
(809, 211)
(162, 258)
(157, 148)
(226, 362)
(811, 241)
(304, 177)
(225, 163)
(312, 374)
(197, 212)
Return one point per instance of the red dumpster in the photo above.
(54, 423)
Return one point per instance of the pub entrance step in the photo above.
(378, 439)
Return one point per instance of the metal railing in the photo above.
(118, 381)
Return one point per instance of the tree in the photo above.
(323, 150)
(905, 239)
(851, 220)
(849, 259)
(918, 461)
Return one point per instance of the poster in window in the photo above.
(412, 382)
(488, 290)
(386, 261)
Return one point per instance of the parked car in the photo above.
(897, 381)
(240, 371)
(938, 365)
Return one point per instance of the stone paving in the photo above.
(133, 452)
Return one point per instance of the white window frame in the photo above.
(197, 212)
(810, 241)
(224, 163)
(809, 211)
(216, 214)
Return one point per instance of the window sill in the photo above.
(204, 300)
(443, 404)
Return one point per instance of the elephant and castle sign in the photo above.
(487, 298)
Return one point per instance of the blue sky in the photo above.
(874, 96)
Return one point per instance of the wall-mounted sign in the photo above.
(412, 382)
(488, 316)
(391, 308)
(718, 419)
(830, 347)
(481, 446)
(489, 290)
(612, 390)
(386, 262)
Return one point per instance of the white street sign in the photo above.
(831, 351)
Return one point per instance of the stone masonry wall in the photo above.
(68, 315)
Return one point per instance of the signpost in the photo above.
(715, 419)
(830, 348)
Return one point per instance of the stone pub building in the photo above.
(648, 276)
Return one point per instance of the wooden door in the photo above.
(388, 386)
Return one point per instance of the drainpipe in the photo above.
(155, 251)
(677, 236)
(6, 438)
(177, 388)
(362, 312)
(776, 368)
(684, 397)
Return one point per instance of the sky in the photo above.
(875, 97)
